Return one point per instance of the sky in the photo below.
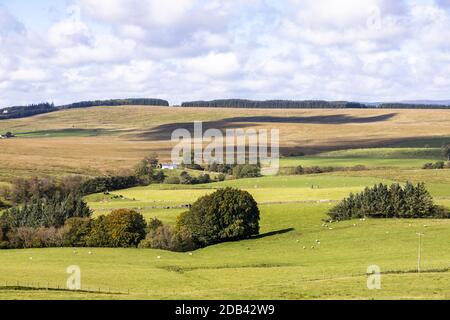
(64, 51)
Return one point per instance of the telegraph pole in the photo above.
(419, 251)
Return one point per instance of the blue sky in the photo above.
(366, 50)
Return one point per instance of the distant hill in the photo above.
(35, 109)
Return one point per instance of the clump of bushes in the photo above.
(186, 178)
(226, 215)
(246, 171)
(3, 205)
(46, 212)
(238, 171)
(158, 236)
(395, 201)
(103, 184)
(122, 228)
(172, 180)
(437, 165)
(300, 170)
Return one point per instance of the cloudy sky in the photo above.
(365, 50)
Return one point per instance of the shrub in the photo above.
(76, 232)
(227, 214)
(121, 228)
(204, 178)
(157, 177)
(299, 170)
(159, 238)
(103, 184)
(99, 235)
(2, 204)
(46, 212)
(3, 235)
(438, 165)
(186, 178)
(154, 224)
(428, 166)
(48, 238)
(246, 171)
(172, 180)
(26, 237)
(221, 177)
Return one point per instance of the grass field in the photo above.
(286, 261)
(274, 266)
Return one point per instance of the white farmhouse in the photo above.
(169, 166)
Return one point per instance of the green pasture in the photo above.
(371, 158)
(285, 262)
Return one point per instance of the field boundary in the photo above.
(18, 286)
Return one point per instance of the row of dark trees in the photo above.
(49, 215)
(290, 104)
(395, 201)
(117, 102)
(121, 228)
(412, 106)
(305, 104)
(41, 108)
(26, 111)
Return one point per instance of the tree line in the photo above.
(26, 111)
(53, 213)
(304, 104)
(117, 102)
(395, 201)
(41, 108)
(285, 104)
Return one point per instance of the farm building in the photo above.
(7, 135)
(168, 166)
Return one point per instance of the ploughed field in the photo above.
(296, 256)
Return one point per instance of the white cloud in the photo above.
(213, 64)
(199, 49)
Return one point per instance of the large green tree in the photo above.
(227, 214)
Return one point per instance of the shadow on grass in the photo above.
(272, 233)
(69, 132)
(164, 132)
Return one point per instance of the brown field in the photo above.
(105, 139)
